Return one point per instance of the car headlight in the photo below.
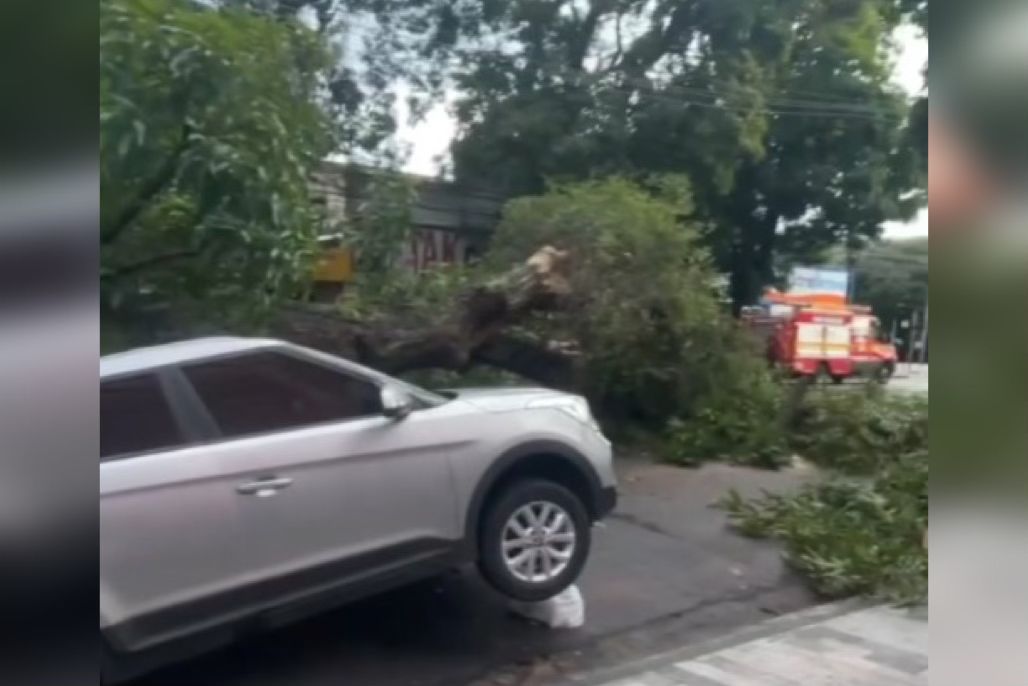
(574, 405)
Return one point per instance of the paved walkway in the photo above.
(835, 645)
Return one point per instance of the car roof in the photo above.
(140, 359)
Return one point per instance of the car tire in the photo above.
(557, 549)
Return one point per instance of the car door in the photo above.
(167, 524)
(329, 490)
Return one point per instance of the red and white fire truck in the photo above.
(820, 336)
(873, 354)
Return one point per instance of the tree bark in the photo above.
(153, 261)
(752, 252)
(752, 261)
(475, 331)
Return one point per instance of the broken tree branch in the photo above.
(476, 331)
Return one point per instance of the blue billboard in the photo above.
(804, 280)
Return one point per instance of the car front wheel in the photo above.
(534, 540)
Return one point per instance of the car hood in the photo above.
(503, 399)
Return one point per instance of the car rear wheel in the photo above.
(534, 540)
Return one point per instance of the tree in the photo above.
(892, 277)
(610, 296)
(359, 87)
(643, 314)
(210, 122)
(381, 224)
(917, 128)
(829, 179)
(780, 113)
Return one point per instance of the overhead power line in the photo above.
(773, 99)
(745, 109)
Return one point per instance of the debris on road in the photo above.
(566, 610)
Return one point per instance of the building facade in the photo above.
(451, 223)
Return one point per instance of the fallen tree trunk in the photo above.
(476, 331)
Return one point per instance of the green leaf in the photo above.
(124, 144)
(170, 69)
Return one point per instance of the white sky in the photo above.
(429, 139)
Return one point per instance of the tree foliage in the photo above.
(892, 277)
(917, 130)
(859, 433)
(781, 113)
(380, 226)
(851, 536)
(743, 423)
(210, 121)
(360, 84)
(643, 319)
(766, 423)
(862, 529)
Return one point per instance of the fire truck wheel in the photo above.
(838, 379)
(823, 374)
(885, 372)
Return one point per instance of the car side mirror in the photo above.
(396, 403)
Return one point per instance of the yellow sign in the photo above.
(335, 266)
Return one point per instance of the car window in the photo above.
(269, 391)
(135, 417)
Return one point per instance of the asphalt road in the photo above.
(664, 571)
(909, 378)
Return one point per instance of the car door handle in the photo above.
(263, 488)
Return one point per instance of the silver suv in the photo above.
(248, 482)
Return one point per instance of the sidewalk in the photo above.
(911, 378)
(838, 645)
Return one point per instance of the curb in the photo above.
(754, 632)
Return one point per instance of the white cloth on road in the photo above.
(566, 610)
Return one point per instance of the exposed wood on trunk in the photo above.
(551, 365)
(476, 331)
